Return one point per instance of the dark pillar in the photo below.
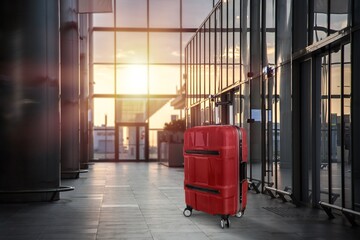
(84, 91)
(284, 77)
(255, 88)
(91, 92)
(300, 41)
(70, 114)
(29, 99)
(355, 106)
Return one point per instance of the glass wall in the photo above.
(329, 17)
(335, 138)
(223, 62)
(137, 68)
(223, 41)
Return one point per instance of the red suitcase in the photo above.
(215, 171)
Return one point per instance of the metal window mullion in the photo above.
(181, 49)
(342, 129)
(209, 68)
(328, 17)
(195, 69)
(275, 98)
(192, 73)
(148, 66)
(329, 129)
(204, 60)
(198, 44)
(115, 86)
(221, 47)
(233, 43)
(215, 50)
(227, 45)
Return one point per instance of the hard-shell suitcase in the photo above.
(215, 181)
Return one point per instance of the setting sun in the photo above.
(132, 79)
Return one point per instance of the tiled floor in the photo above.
(139, 201)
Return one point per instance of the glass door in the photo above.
(131, 142)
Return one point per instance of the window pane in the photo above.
(103, 19)
(335, 106)
(131, 13)
(195, 11)
(153, 144)
(163, 114)
(165, 13)
(131, 110)
(237, 70)
(185, 40)
(270, 32)
(230, 47)
(202, 62)
(224, 48)
(164, 79)
(198, 67)
(218, 48)
(320, 20)
(206, 59)
(164, 48)
(104, 79)
(102, 107)
(103, 47)
(245, 38)
(324, 140)
(131, 47)
(339, 14)
(347, 126)
(212, 56)
(131, 79)
(104, 142)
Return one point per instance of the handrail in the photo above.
(348, 213)
(281, 194)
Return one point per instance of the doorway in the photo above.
(131, 142)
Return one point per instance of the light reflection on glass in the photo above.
(104, 54)
(131, 79)
(194, 12)
(131, 47)
(164, 79)
(164, 48)
(104, 79)
(131, 13)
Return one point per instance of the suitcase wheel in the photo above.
(225, 222)
(187, 212)
(239, 214)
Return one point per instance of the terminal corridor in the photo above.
(143, 201)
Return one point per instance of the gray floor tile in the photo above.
(145, 201)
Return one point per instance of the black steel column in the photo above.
(29, 100)
(70, 114)
(300, 41)
(84, 91)
(355, 107)
(255, 89)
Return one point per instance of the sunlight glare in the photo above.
(132, 79)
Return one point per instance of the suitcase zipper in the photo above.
(202, 189)
(202, 152)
